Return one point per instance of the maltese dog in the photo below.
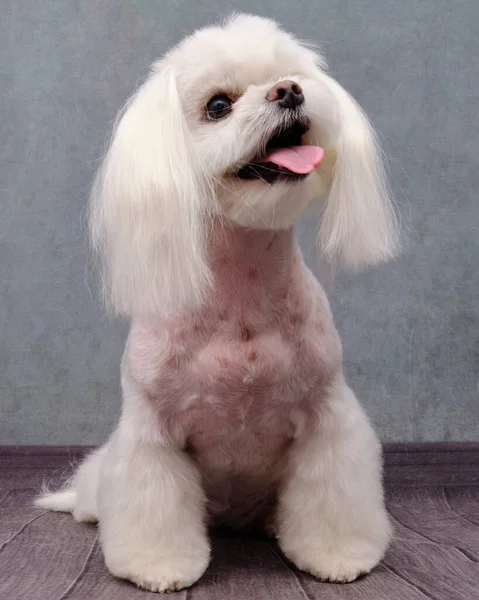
(235, 408)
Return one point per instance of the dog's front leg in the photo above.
(331, 519)
(151, 514)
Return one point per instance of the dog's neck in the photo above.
(251, 266)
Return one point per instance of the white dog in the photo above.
(235, 409)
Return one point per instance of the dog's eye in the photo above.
(218, 107)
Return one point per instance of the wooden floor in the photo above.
(433, 497)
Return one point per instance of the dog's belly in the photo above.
(240, 451)
(240, 468)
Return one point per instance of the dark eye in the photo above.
(218, 107)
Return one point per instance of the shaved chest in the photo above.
(233, 380)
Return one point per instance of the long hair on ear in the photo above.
(358, 224)
(149, 207)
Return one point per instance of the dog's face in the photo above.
(240, 122)
(256, 111)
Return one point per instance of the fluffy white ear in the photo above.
(149, 207)
(358, 225)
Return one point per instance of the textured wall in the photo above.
(410, 329)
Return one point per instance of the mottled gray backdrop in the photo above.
(410, 329)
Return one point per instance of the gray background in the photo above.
(410, 329)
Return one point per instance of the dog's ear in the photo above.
(150, 205)
(358, 225)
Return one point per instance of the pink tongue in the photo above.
(298, 159)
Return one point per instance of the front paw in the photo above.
(162, 573)
(338, 564)
(333, 568)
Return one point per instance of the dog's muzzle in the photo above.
(285, 158)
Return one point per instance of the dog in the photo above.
(235, 408)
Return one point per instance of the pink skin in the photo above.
(235, 383)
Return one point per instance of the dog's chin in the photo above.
(259, 205)
(273, 187)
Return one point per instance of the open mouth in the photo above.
(285, 157)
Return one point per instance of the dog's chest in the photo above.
(232, 383)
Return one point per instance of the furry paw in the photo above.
(335, 569)
(335, 566)
(163, 575)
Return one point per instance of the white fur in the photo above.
(64, 501)
(332, 522)
(358, 227)
(167, 176)
(147, 199)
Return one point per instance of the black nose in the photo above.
(287, 93)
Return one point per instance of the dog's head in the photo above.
(241, 122)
